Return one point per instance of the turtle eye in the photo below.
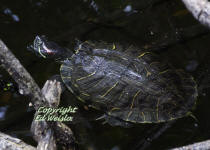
(38, 41)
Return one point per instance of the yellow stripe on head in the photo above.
(41, 53)
(113, 46)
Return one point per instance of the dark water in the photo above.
(164, 25)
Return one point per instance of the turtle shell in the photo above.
(138, 89)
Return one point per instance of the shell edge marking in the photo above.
(109, 89)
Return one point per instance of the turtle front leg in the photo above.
(113, 121)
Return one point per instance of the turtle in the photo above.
(127, 84)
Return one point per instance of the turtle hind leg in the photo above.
(114, 121)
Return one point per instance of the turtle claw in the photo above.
(113, 121)
(101, 117)
(104, 116)
(105, 122)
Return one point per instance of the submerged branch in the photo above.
(147, 141)
(200, 10)
(8, 142)
(45, 132)
(205, 145)
(26, 83)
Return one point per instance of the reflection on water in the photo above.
(3, 110)
(9, 12)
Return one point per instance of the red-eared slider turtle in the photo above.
(127, 88)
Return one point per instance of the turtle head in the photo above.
(48, 49)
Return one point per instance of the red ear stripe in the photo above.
(48, 51)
